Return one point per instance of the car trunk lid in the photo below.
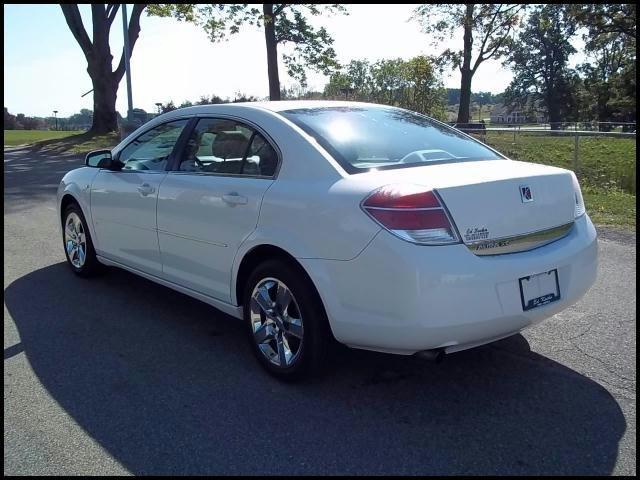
(497, 199)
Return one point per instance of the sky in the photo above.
(45, 70)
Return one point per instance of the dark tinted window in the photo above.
(360, 138)
(227, 146)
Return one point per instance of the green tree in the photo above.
(387, 81)
(32, 123)
(204, 100)
(492, 25)
(99, 59)
(282, 24)
(10, 121)
(611, 56)
(20, 121)
(339, 86)
(359, 73)
(168, 107)
(538, 59)
(413, 84)
(610, 72)
(423, 89)
(82, 119)
(242, 97)
(605, 18)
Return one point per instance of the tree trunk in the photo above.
(105, 91)
(272, 51)
(99, 58)
(465, 97)
(465, 70)
(553, 109)
(603, 111)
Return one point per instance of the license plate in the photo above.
(539, 289)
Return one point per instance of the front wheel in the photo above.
(287, 325)
(78, 247)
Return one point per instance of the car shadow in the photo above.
(167, 385)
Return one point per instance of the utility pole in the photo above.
(127, 53)
(55, 114)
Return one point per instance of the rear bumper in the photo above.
(401, 298)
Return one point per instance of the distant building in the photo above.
(510, 115)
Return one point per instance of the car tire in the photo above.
(300, 328)
(77, 243)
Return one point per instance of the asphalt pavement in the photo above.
(118, 375)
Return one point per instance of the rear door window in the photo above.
(227, 146)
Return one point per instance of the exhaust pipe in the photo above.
(435, 355)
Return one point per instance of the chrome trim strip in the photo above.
(401, 209)
(519, 243)
(217, 174)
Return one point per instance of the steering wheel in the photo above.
(408, 156)
(135, 164)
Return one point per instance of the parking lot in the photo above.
(118, 375)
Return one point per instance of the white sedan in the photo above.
(374, 226)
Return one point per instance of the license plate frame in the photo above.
(539, 289)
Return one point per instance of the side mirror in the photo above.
(102, 159)
(98, 159)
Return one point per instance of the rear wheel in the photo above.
(78, 247)
(287, 325)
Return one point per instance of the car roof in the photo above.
(275, 106)
(282, 105)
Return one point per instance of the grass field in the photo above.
(60, 141)
(607, 162)
(27, 137)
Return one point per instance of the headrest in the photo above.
(229, 145)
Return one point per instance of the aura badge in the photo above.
(525, 194)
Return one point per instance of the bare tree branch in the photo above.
(506, 23)
(496, 48)
(487, 35)
(112, 10)
(74, 21)
(279, 9)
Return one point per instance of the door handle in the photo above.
(234, 198)
(146, 189)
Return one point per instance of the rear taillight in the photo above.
(412, 213)
(577, 193)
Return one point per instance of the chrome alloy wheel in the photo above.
(75, 240)
(276, 322)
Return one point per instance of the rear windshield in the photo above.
(362, 138)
